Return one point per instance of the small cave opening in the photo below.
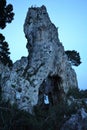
(51, 91)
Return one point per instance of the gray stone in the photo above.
(46, 58)
(77, 121)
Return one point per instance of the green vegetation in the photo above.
(73, 57)
(4, 52)
(76, 93)
(48, 118)
(13, 119)
(6, 13)
(6, 16)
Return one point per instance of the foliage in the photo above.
(76, 93)
(54, 117)
(4, 52)
(11, 118)
(6, 14)
(73, 57)
(83, 93)
(57, 115)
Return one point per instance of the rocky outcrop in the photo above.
(46, 70)
(46, 53)
(77, 121)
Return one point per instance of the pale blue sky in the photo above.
(71, 18)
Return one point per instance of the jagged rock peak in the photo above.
(36, 13)
(46, 53)
(38, 27)
(45, 71)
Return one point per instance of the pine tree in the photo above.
(4, 52)
(73, 57)
(6, 14)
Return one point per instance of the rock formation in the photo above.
(46, 70)
(77, 121)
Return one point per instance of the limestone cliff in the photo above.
(46, 70)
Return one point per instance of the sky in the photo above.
(70, 16)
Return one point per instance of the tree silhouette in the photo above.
(4, 52)
(6, 14)
(73, 57)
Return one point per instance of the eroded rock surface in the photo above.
(46, 64)
(77, 121)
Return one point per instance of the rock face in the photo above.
(46, 70)
(77, 121)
